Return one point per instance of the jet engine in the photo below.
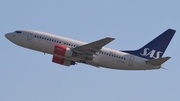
(60, 52)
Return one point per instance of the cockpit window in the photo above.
(18, 31)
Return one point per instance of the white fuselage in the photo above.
(109, 58)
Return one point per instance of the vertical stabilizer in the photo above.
(156, 48)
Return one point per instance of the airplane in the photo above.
(68, 51)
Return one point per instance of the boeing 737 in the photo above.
(68, 52)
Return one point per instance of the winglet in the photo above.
(158, 61)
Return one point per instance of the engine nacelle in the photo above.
(60, 52)
(63, 51)
(68, 62)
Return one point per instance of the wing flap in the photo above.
(158, 61)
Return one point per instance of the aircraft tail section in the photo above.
(156, 48)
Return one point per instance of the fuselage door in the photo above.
(131, 61)
(29, 36)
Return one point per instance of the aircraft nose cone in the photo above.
(7, 35)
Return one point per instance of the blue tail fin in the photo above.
(156, 48)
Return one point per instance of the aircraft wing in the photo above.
(93, 47)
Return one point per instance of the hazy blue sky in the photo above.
(27, 75)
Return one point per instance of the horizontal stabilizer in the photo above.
(158, 61)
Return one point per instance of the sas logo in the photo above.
(151, 53)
